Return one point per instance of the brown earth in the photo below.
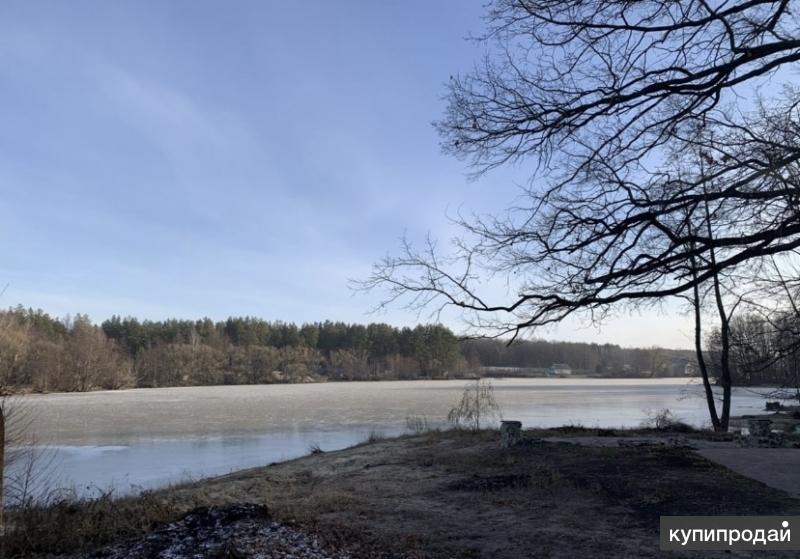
(458, 494)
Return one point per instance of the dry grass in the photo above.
(458, 494)
(67, 524)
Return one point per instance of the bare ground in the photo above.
(458, 494)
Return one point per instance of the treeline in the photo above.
(42, 353)
(592, 359)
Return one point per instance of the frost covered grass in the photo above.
(456, 493)
(438, 494)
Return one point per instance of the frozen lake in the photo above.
(150, 437)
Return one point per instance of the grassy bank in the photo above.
(458, 494)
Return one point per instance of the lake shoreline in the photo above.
(457, 493)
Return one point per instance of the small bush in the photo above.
(477, 405)
(374, 436)
(664, 420)
(660, 419)
(314, 448)
(417, 424)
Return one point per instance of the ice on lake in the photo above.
(146, 438)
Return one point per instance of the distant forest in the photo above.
(42, 353)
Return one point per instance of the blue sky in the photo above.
(198, 159)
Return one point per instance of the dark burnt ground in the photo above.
(227, 532)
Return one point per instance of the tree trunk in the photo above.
(698, 348)
(725, 365)
(724, 321)
(725, 361)
(701, 362)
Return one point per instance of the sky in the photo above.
(191, 159)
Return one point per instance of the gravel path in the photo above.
(231, 532)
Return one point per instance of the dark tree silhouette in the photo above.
(651, 177)
(584, 80)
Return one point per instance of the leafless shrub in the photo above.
(314, 448)
(24, 464)
(374, 436)
(665, 420)
(417, 424)
(476, 407)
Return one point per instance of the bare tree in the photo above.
(651, 180)
(476, 406)
(570, 82)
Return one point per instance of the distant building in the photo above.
(559, 370)
(681, 367)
